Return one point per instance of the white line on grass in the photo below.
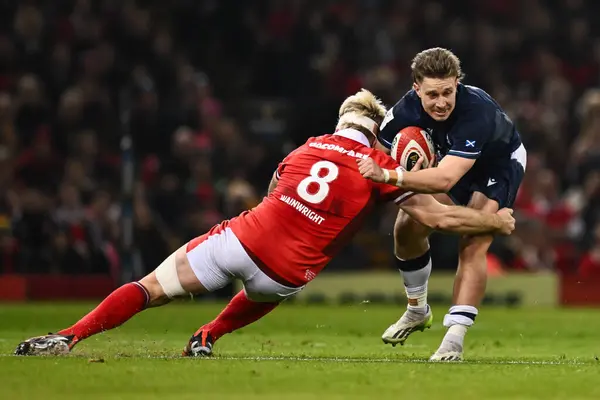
(329, 359)
(393, 360)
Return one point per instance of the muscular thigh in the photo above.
(470, 245)
(480, 201)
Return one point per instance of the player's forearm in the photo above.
(467, 221)
(430, 180)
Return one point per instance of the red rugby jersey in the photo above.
(320, 202)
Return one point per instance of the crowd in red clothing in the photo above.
(220, 91)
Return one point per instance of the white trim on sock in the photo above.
(451, 319)
(460, 308)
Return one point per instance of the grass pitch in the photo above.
(302, 352)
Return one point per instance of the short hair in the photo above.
(437, 63)
(366, 104)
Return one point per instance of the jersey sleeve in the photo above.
(389, 192)
(469, 135)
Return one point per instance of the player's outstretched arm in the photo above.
(467, 221)
(438, 179)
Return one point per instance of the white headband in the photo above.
(358, 119)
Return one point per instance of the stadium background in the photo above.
(213, 94)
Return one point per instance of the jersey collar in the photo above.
(355, 135)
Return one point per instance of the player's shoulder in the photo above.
(341, 147)
(408, 107)
(310, 144)
(320, 142)
(318, 139)
(474, 99)
(475, 109)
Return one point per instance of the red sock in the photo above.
(240, 312)
(118, 307)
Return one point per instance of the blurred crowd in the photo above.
(218, 91)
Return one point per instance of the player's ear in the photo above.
(417, 88)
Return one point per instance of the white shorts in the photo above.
(218, 257)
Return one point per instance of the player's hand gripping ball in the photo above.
(410, 144)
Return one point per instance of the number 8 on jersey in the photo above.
(322, 182)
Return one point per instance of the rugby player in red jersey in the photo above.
(317, 201)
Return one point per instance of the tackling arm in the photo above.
(466, 221)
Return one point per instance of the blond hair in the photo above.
(437, 63)
(362, 111)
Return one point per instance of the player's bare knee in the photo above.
(472, 255)
(412, 250)
(156, 294)
(474, 247)
(410, 237)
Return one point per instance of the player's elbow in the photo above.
(444, 183)
(431, 220)
(441, 181)
(442, 219)
(445, 224)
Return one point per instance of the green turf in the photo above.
(301, 352)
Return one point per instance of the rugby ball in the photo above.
(410, 144)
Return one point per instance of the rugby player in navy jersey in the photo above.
(481, 163)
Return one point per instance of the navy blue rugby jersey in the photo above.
(477, 129)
